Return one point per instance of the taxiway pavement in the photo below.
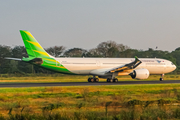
(85, 83)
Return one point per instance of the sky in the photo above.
(139, 24)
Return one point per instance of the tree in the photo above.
(110, 49)
(94, 53)
(19, 52)
(75, 52)
(19, 66)
(128, 53)
(55, 51)
(5, 51)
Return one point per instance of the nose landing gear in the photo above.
(161, 79)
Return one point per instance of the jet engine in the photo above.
(140, 74)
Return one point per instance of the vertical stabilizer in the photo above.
(33, 48)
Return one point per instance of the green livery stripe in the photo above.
(35, 44)
(50, 59)
(54, 65)
(36, 53)
(40, 53)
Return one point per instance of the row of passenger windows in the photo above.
(155, 63)
(93, 63)
(116, 63)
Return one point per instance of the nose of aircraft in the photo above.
(174, 67)
(170, 67)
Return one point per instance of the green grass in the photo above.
(159, 101)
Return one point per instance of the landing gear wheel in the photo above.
(108, 80)
(161, 79)
(89, 79)
(115, 80)
(111, 80)
(96, 79)
(92, 79)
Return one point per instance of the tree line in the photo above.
(109, 49)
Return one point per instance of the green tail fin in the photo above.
(33, 48)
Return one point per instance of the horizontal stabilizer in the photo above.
(18, 59)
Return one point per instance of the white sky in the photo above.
(140, 24)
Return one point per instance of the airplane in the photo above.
(108, 68)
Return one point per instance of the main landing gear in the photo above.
(93, 80)
(161, 79)
(112, 80)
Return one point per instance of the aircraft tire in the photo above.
(108, 80)
(111, 80)
(92, 80)
(161, 79)
(96, 80)
(89, 79)
(115, 80)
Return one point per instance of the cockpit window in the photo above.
(172, 64)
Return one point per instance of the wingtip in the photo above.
(136, 58)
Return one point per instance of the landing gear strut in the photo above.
(161, 79)
(112, 80)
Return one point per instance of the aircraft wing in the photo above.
(108, 71)
(128, 66)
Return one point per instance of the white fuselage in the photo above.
(95, 65)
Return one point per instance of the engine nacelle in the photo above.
(140, 74)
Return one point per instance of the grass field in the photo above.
(73, 78)
(125, 102)
(139, 102)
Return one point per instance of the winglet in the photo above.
(137, 62)
(136, 58)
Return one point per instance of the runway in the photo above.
(2, 85)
